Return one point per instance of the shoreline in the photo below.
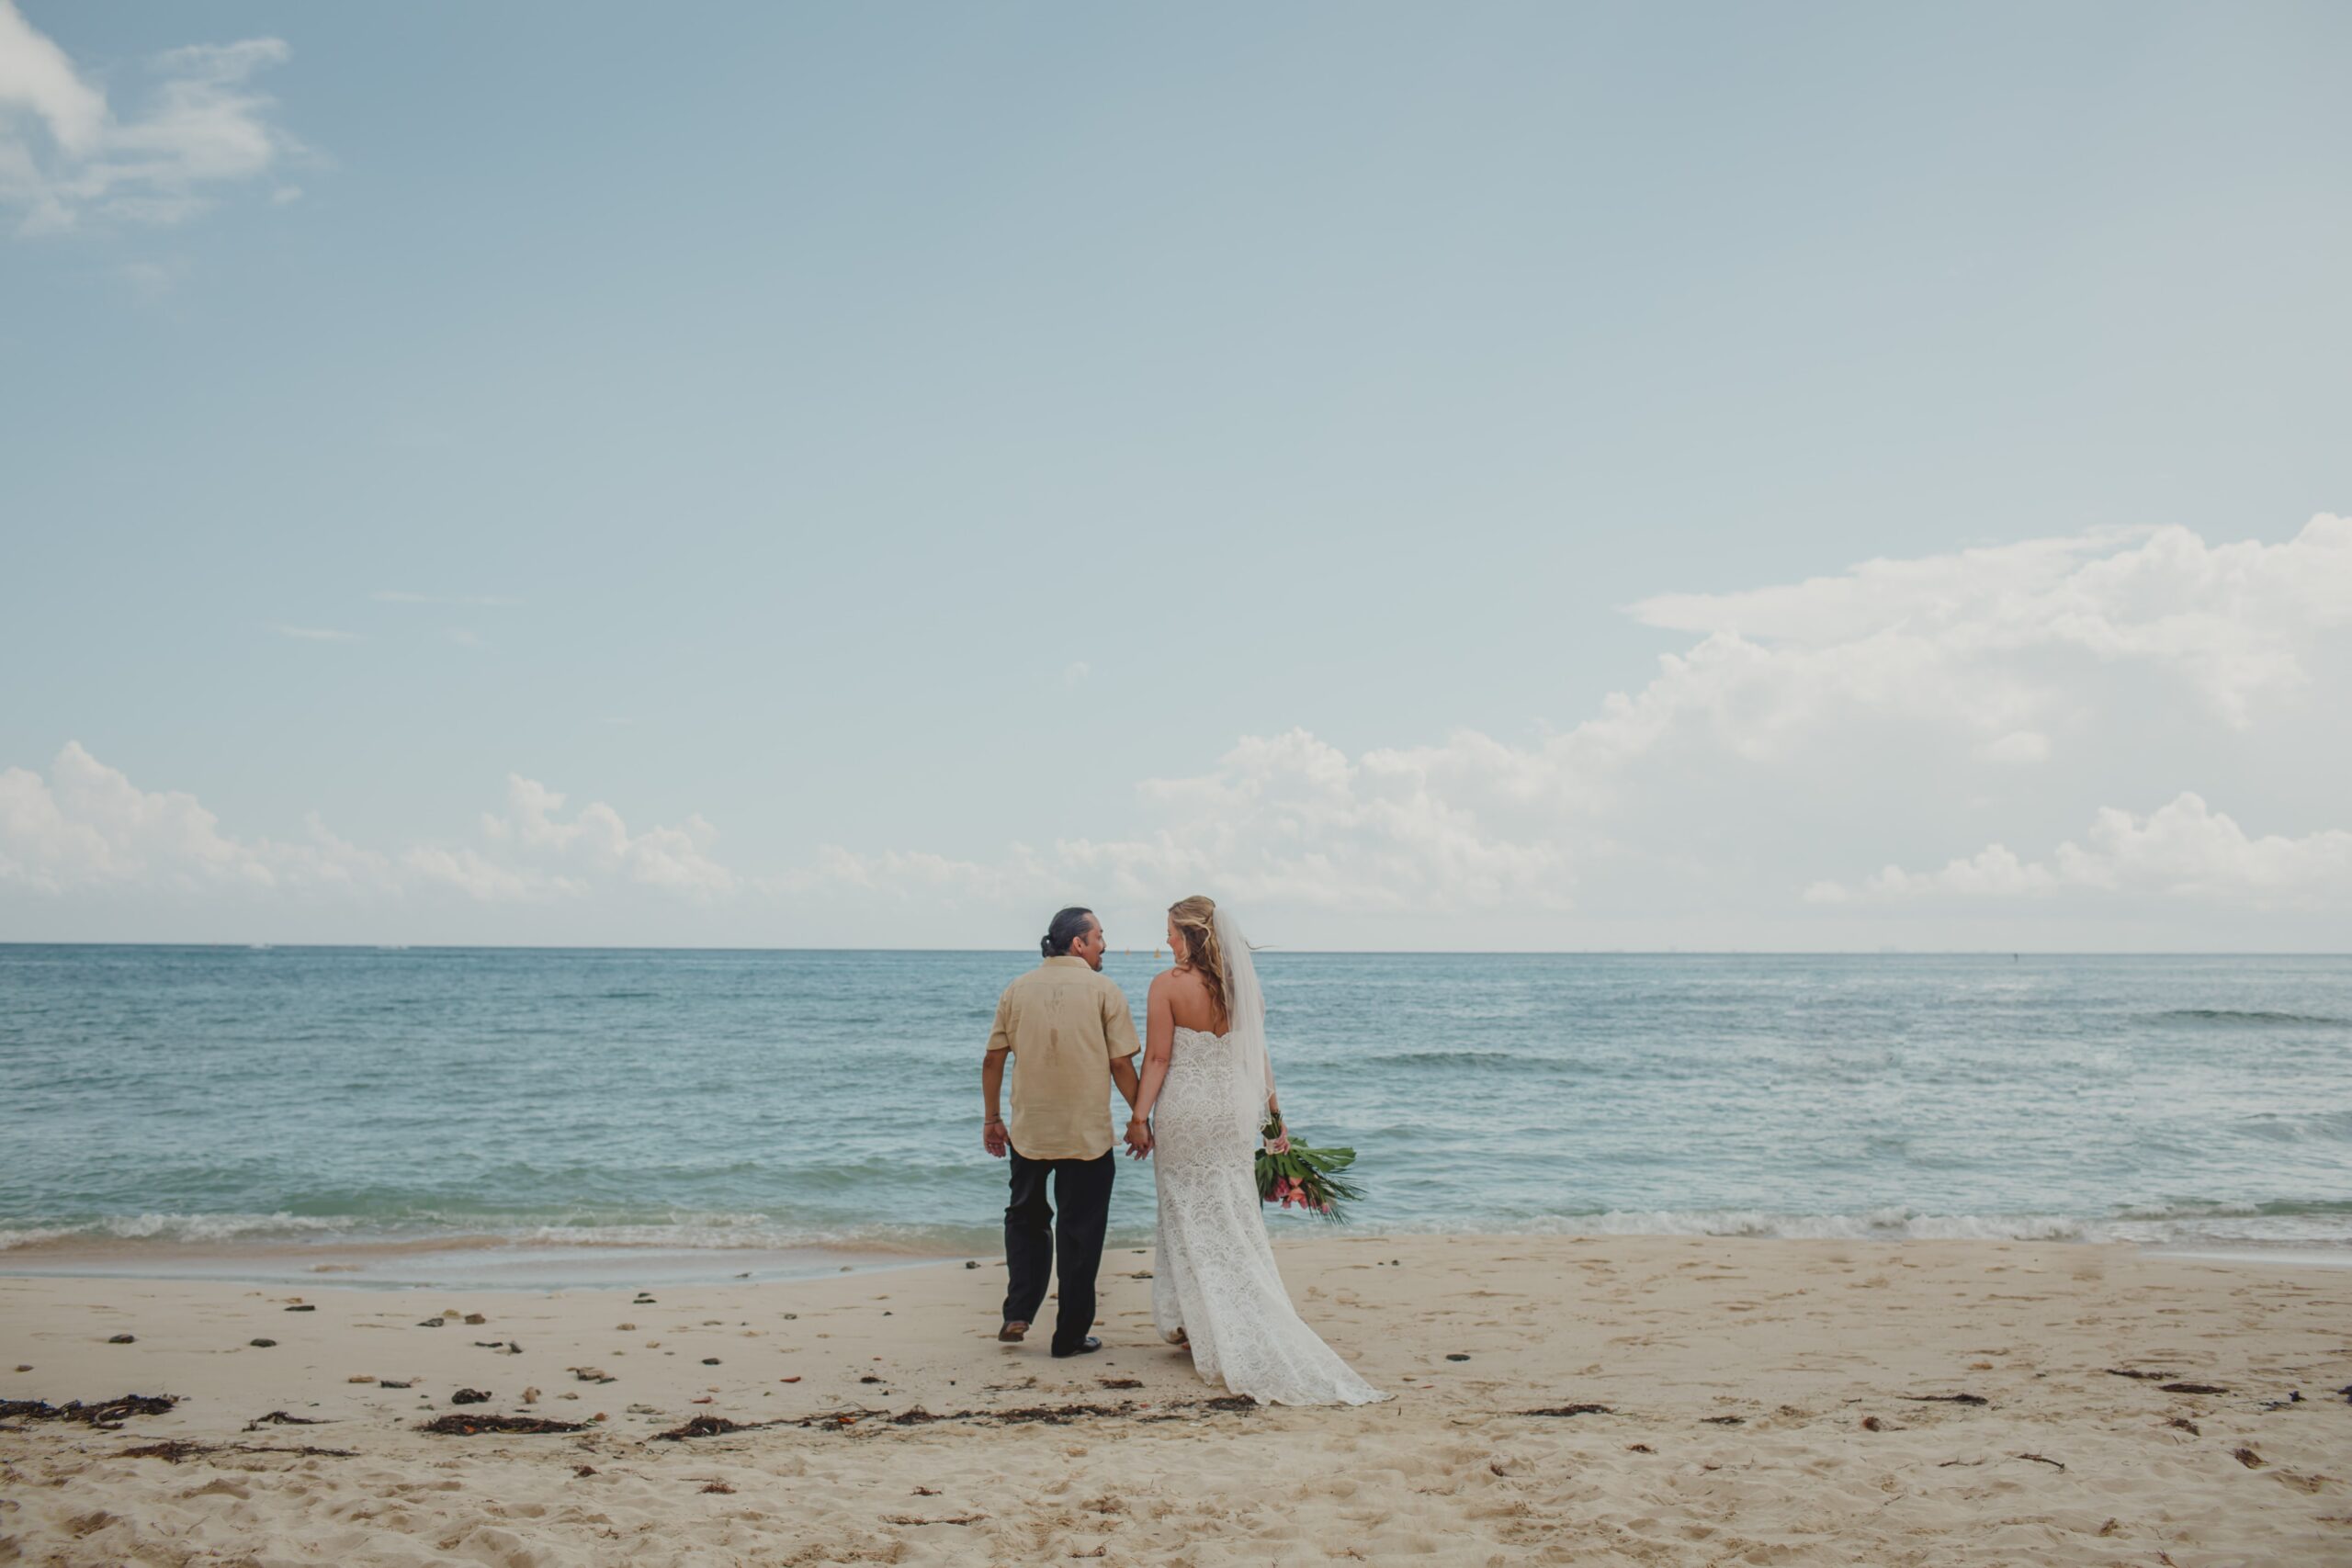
(488, 1261)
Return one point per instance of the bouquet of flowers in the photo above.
(1290, 1173)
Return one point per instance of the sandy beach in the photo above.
(1621, 1400)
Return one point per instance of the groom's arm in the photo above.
(993, 1136)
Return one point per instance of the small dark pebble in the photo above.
(387, 1382)
(124, 1339)
(469, 1396)
(869, 1377)
(1456, 1355)
(304, 1308)
(430, 1323)
(711, 1360)
(970, 1264)
(1723, 1420)
(2193, 1388)
(261, 1344)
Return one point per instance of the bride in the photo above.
(1207, 1088)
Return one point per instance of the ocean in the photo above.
(589, 1116)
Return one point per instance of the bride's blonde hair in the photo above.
(1196, 920)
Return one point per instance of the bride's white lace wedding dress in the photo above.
(1215, 1277)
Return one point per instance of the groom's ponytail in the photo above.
(1067, 926)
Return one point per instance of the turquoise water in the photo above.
(559, 1105)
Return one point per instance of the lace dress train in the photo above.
(1215, 1277)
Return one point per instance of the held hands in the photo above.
(1139, 1138)
(994, 1139)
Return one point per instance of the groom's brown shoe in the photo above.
(1011, 1331)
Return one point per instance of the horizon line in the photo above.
(1317, 952)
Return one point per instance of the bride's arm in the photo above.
(1158, 1041)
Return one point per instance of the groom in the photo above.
(1070, 1037)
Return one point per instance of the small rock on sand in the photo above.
(124, 1339)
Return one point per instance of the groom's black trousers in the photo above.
(1082, 1187)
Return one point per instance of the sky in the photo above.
(1511, 476)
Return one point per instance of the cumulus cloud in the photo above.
(1982, 654)
(1860, 715)
(2231, 621)
(89, 826)
(67, 156)
(86, 828)
(1287, 817)
(675, 858)
(2183, 849)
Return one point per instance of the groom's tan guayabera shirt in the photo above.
(1065, 1025)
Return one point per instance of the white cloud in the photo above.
(2228, 620)
(1973, 659)
(2019, 747)
(1283, 819)
(2183, 849)
(66, 155)
(596, 838)
(1854, 715)
(86, 827)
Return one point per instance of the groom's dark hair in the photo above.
(1067, 928)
